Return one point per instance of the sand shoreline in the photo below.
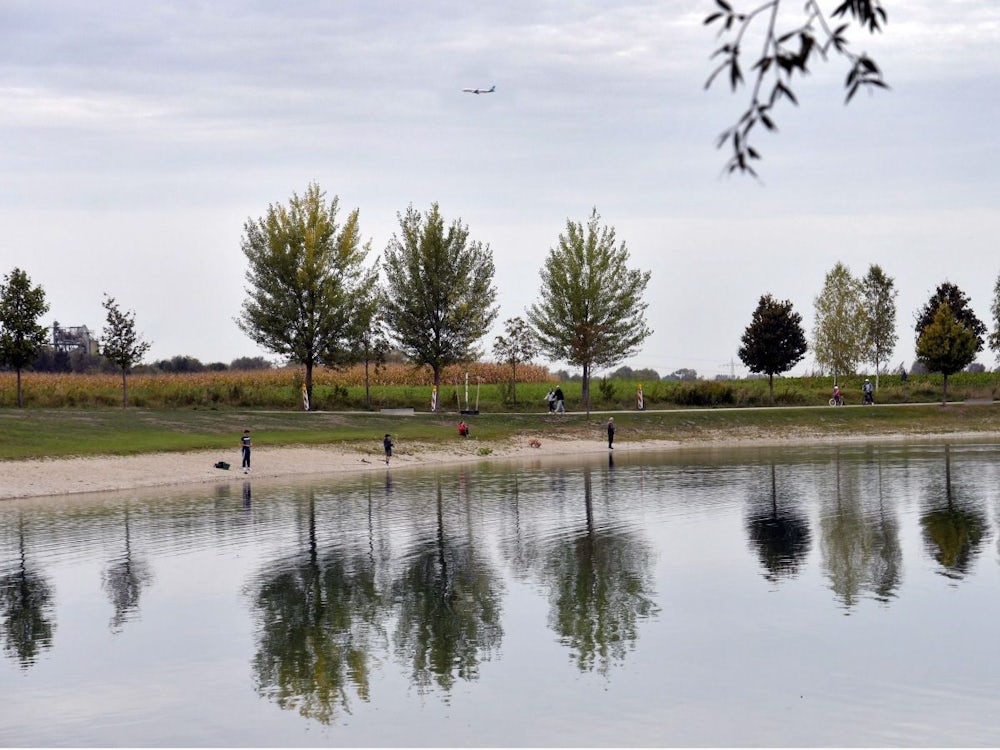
(66, 476)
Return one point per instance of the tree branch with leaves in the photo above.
(786, 51)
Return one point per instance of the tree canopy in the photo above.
(592, 311)
(839, 323)
(878, 293)
(787, 50)
(439, 293)
(21, 337)
(946, 345)
(956, 299)
(774, 342)
(305, 273)
(120, 342)
(517, 347)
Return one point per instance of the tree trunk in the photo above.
(770, 385)
(368, 393)
(513, 381)
(20, 399)
(944, 391)
(586, 387)
(309, 383)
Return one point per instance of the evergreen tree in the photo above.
(121, 343)
(592, 312)
(439, 293)
(305, 274)
(774, 342)
(21, 338)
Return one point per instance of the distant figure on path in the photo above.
(387, 444)
(245, 445)
(611, 432)
(560, 406)
(550, 399)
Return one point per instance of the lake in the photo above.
(794, 596)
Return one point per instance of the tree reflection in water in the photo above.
(320, 619)
(448, 604)
(601, 586)
(779, 532)
(861, 550)
(123, 581)
(27, 606)
(954, 531)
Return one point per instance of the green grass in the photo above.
(39, 433)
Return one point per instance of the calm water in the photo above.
(813, 596)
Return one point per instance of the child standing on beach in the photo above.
(245, 445)
(387, 444)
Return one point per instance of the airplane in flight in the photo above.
(490, 90)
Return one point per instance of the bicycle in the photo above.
(837, 401)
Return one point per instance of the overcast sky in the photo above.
(136, 140)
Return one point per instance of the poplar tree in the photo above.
(838, 328)
(994, 338)
(305, 275)
(21, 337)
(774, 342)
(439, 294)
(121, 343)
(592, 311)
(878, 293)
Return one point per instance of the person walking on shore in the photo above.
(387, 444)
(245, 445)
(611, 433)
(560, 406)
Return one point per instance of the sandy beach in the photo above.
(65, 476)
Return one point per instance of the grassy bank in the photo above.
(38, 433)
(404, 386)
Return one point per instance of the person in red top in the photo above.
(463, 429)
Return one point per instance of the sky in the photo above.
(138, 139)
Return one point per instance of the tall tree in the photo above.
(878, 293)
(439, 290)
(21, 338)
(305, 273)
(956, 299)
(788, 50)
(839, 323)
(121, 343)
(592, 311)
(946, 345)
(517, 347)
(994, 338)
(774, 342)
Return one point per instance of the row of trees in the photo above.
(22, 338)
(313, 299)
(855, 322)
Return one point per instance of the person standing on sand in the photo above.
(387, 444)
(245, 445)
(611, 432)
